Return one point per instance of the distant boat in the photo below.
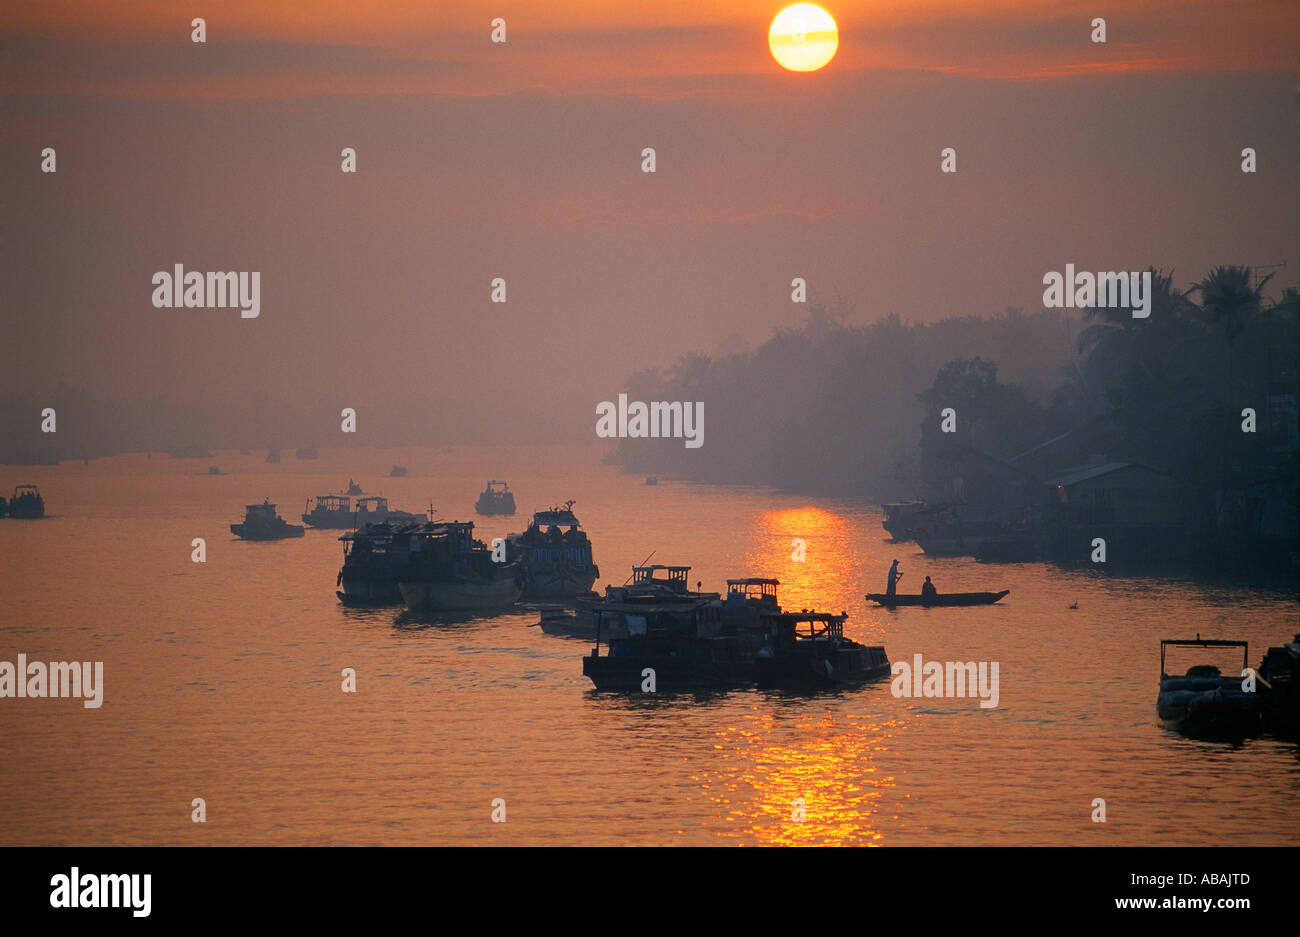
(938, 601)
(651, 480)
(335, 512)
(273, 455)
(1203, 703)
(213, 470)
(354, 488)
(495, 499)
(307, 453)
(399, 471)
(262, 523)
(27, 503)
(375, 559)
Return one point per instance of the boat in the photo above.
(556, 553)
(679, 640)
(398, 471)
(262, 523)
(1203, 703)
(336, 512)
(809, 650)
(448, 570)
(308, 452)
(651, 480)
(4, 506)
(495, 499)
(691, 640)
(645, 589)
(942, 600)
(899, 517)
(213, 470)
(1279, 689)
(26, 503)
(273, 455)
(374, 561)
(354, 488)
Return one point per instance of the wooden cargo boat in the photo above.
(809, 650)
(558, 561)
(27, 503)
(448, 570)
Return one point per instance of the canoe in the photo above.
(938, 601)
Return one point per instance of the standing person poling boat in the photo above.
(894, 575)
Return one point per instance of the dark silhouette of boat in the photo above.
(899, 518)
(495, 499)
(651, 480)
(942, 600)
(354, 488)
(399, 471)
(448, 570)
(273, 455)
(335, 512)
(1279, 689)
(556, 553)
(213, 470)
(1202, 703)
(262, 523)
(808, 650)
(375, 558)
(26, 503)
(691, 640)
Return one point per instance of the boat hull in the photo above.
(843, 667)
(245, 532)
(671, 673)
(952, 599)
(461, 595)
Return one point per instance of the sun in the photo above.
(803, 37)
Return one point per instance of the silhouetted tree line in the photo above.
(832, 408)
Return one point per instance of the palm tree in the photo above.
(1228, 295)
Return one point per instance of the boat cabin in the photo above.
(1199, 642)
(789, 627)
(673, 580)
(372, 504)
(755, 592)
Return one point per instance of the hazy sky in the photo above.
(523, 160)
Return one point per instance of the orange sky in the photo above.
(264, 49)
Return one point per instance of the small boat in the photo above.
(308, 452)
(808, 649)
(262, 523)
(213, 470)
(354, 488)
(335, 512)
(496, 499)
(1202, 703)
(399, 471)
(273, 455)
(556, 553)
(651, 480)
(942, 600)
(27, 503)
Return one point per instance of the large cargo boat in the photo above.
(448, 570)
(809, 650)
(375, 558)
(556, 553)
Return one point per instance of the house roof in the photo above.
(1084, 473)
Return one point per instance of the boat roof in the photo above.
(753, 582)
(382, 498)
(1201, 642)
(661, 566)
(805, 616)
